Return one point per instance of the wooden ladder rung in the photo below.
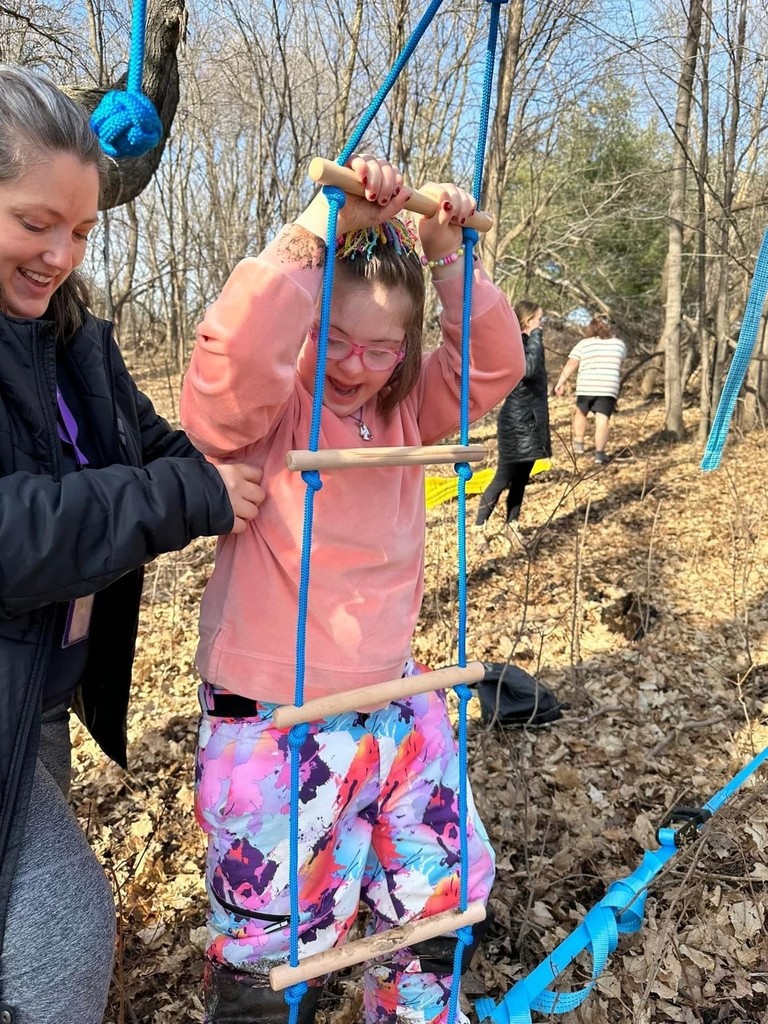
(377, 695)
(328, 173)
(357, 458)
(374, 946)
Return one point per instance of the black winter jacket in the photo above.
(523, 426)
(86, 532)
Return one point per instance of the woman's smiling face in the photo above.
(45, 217)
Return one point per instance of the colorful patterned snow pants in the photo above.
(378, 821)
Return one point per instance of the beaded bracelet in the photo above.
(444, 261)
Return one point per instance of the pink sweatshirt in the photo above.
(243, 400)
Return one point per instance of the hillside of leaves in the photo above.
(640, 595)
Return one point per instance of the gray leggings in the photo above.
(56, 963)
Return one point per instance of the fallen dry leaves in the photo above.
(641, 598)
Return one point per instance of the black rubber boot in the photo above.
(234, 997)
(436, 955)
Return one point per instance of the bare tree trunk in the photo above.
(730, 135)
(673, 391)
(120, 280)
(342, 108)
(165, 28)
(496, 165)
(703, 335)
(400, 147)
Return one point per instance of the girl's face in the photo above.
(534, 322)
(369, 316)
(45, 217)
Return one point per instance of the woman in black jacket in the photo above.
(93, 485)
(523, 426)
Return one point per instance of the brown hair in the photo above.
(599, 327)
(36, 121)
(525, 310)
(384, 265)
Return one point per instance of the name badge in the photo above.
(78, 624)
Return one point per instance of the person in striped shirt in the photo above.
(596, 360)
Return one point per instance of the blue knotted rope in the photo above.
(737, 371)
(464, 473)
(295, 993)
(336, 199)
(619, 912)
(126, 122)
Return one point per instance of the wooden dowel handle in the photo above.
(377, 695)
(358, 458)
(326, 172)
(374, 946)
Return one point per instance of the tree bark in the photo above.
(729, 135)
(702, 171)
(497, 162)
(673, 390)
(166, 22)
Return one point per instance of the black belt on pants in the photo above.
(232, 705)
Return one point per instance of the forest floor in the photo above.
(640, 596)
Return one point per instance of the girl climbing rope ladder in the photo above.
(378, 807)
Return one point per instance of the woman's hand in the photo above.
(441, 234)
(385, 198)
(243, 490)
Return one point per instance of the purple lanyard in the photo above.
(67, 427)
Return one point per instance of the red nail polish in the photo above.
(365, 179)
(447, 207)
(372, 197)
(397, 190)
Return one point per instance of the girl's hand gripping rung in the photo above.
(326, 172)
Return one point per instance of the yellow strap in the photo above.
(442, 488)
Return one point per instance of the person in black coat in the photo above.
(523, 425)
(93, 485)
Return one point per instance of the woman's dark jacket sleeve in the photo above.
(66, 538)
(534, 356)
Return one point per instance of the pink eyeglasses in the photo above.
(377, 359)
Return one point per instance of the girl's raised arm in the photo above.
(243, 367)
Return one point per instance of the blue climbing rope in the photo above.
(737, 371)
(126, 122)
(619, 912)
(336, 200)
(464, 473)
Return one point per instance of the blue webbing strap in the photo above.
(619, 912)
(737, 371)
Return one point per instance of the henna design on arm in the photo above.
(301, 247)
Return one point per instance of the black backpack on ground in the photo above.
(509, 696)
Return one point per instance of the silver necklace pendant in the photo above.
(362, 426)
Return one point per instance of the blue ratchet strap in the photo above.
(619, 912)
